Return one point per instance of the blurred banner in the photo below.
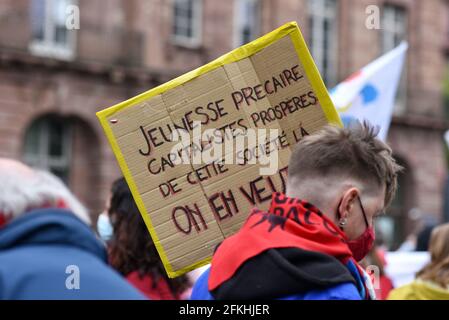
(369, 94)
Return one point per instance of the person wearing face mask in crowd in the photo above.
(308, 244)
(132, 251)
(104, 226)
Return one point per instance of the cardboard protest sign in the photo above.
(190, 207)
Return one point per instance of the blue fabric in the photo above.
(37, 248)
(344, 291)
(358, 278)
(200, 290)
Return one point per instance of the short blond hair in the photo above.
(353, 152)
(437, 270)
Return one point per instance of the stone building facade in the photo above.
(54, 79)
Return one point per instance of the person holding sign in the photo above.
(199, 151)
(132, 252)
(308, 244)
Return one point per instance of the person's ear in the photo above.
(347, 203)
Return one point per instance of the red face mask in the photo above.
(363, 244)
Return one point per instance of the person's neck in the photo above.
(325, 209)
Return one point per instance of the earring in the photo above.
(343, 222)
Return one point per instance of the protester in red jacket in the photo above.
(132, 251)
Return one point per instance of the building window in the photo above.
(393, 27)
(394, 30)
(50, 36)
(48, 145)
(187, 17)
(247, 21)
(323, 37)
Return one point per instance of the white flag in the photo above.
(369, 93)
(446, 138)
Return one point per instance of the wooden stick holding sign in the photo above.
(190, 206)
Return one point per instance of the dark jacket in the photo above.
(43, 252)
(288, 274)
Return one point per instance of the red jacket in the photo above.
(158, 291)
(385, 287)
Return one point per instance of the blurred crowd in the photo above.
(44, 230)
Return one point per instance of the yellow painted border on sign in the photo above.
(240, 53)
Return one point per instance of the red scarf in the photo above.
(290, 223)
